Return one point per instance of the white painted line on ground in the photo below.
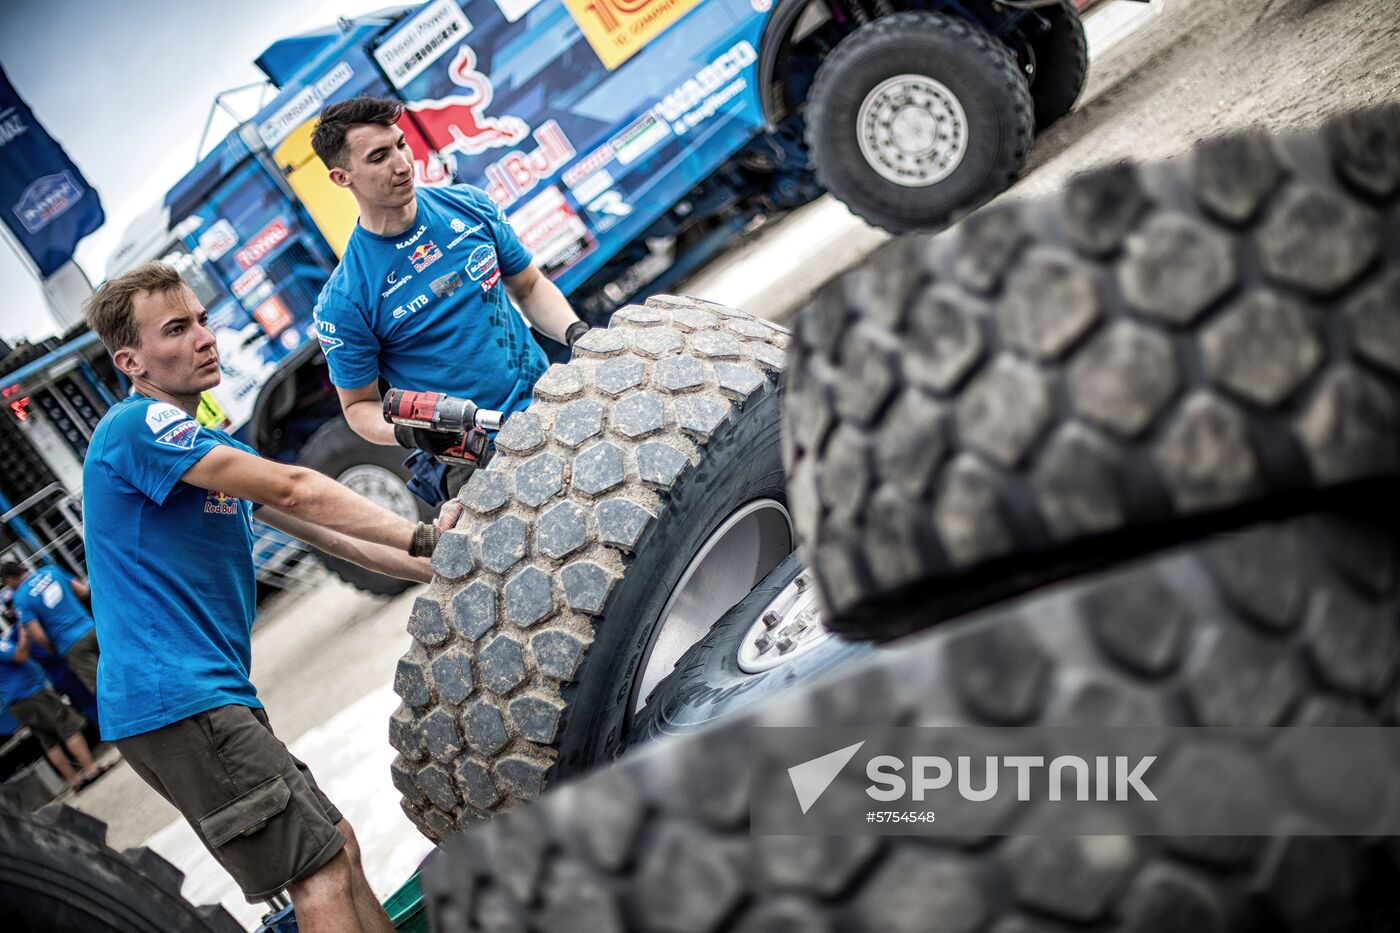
(350, 756)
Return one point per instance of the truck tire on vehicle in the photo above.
(1154, 351)
(1059, 63)
(57, 875)
(374, 471)
(916, 118)
(662, 839)
(730, 669)
(637, 499)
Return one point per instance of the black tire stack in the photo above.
(1172, 390)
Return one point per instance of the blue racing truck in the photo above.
(626, 140)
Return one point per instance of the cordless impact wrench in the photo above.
(452, 429)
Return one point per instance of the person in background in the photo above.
(51, 605)
(25, 690)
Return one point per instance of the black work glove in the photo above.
(434, 442)
(576, 330)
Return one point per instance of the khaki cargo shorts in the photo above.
(252, 803)
(48, 717)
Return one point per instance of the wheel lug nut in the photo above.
(771, 618)
(801, 581)
(785, 645)
(763, 643)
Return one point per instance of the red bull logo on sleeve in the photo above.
(424, 256)
(437, 130)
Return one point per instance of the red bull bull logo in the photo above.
(424, 256)
(437, 130)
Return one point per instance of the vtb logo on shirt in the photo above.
(217, 503)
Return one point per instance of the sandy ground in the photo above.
(324, 658)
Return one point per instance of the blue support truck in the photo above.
(628, 141)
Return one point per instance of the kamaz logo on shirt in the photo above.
(329, 343)
(481, 261)
(161, 414)
(217, 503)
(181, 436)
(424, 256)
(413, 239)
(445, 287)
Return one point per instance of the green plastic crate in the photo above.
(405, 907)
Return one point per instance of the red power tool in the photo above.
(452, 429)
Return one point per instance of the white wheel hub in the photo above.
(790, 627)
(382, 487)
(912, 131)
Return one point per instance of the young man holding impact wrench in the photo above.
(419, 298)
(168, 508)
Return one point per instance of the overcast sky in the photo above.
(125, 86)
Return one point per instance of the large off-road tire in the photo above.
(1059, 63)
(917, 118)
(710, 680)
(1289, 624)
(57, 875)
(374, 471)
(1155, 351)
(638, 498)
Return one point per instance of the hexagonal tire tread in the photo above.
(549, 532)
(1158, 350)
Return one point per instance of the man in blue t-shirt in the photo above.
(419, 298)
(168, 508)
(47, 602)
(26, 691)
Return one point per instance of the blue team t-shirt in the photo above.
(427, 310)
(47, 595)
(19, 680)
(171, 570)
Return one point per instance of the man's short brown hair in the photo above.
(108, 311)
(328, 138)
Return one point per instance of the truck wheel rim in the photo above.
(383, 487)
(912, 130)
(741, 552)
(788, 628)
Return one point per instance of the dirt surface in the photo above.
(1204, 66)
(1191, 69)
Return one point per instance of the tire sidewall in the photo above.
(971, 74)
(741, 463)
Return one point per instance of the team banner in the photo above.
(619, 29)
(44, 199)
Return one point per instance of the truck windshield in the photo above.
(192, 271)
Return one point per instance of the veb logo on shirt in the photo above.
(217, 503)
(424, 256)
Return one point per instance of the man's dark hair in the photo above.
(10, 569)
(108, 310)
(328, 138)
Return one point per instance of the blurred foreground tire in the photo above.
(1153, 353)
(1293, 623)
(57, 875)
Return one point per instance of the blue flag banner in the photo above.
(44, 199)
